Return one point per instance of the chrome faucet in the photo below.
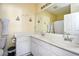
(42, 34)
(67, 38)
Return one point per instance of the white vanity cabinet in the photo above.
(38, 50)
(34, 48)
(41, 48)
(23, 44)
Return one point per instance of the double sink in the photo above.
(59, 39)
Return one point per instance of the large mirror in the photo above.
(50, 19)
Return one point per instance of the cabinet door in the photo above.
(53, 50)
(23, 45)
(40, 48)
(45, 49)
(34, 48)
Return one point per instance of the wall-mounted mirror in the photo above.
(51, 18)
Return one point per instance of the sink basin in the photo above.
(58, 39)
(70, 44)
(62, 42)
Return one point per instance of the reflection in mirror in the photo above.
(51, 18)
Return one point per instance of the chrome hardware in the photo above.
(67, 37)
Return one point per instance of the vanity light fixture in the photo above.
(45, 5)
(17, 18)
(38, 21)
(30, 20)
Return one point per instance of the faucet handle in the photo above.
(64, 35)
(67, 36)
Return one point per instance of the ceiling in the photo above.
(61, 9)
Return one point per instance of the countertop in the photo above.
(58, 41)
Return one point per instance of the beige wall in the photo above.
(57, 17)
(45, 18)
(25, 12)
(60, 17)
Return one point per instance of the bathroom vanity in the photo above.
(53, 46)
(48, 44)
(60, 41)
(23, 44)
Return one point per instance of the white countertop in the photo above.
(59, 42)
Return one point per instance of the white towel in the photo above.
(1, 52)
